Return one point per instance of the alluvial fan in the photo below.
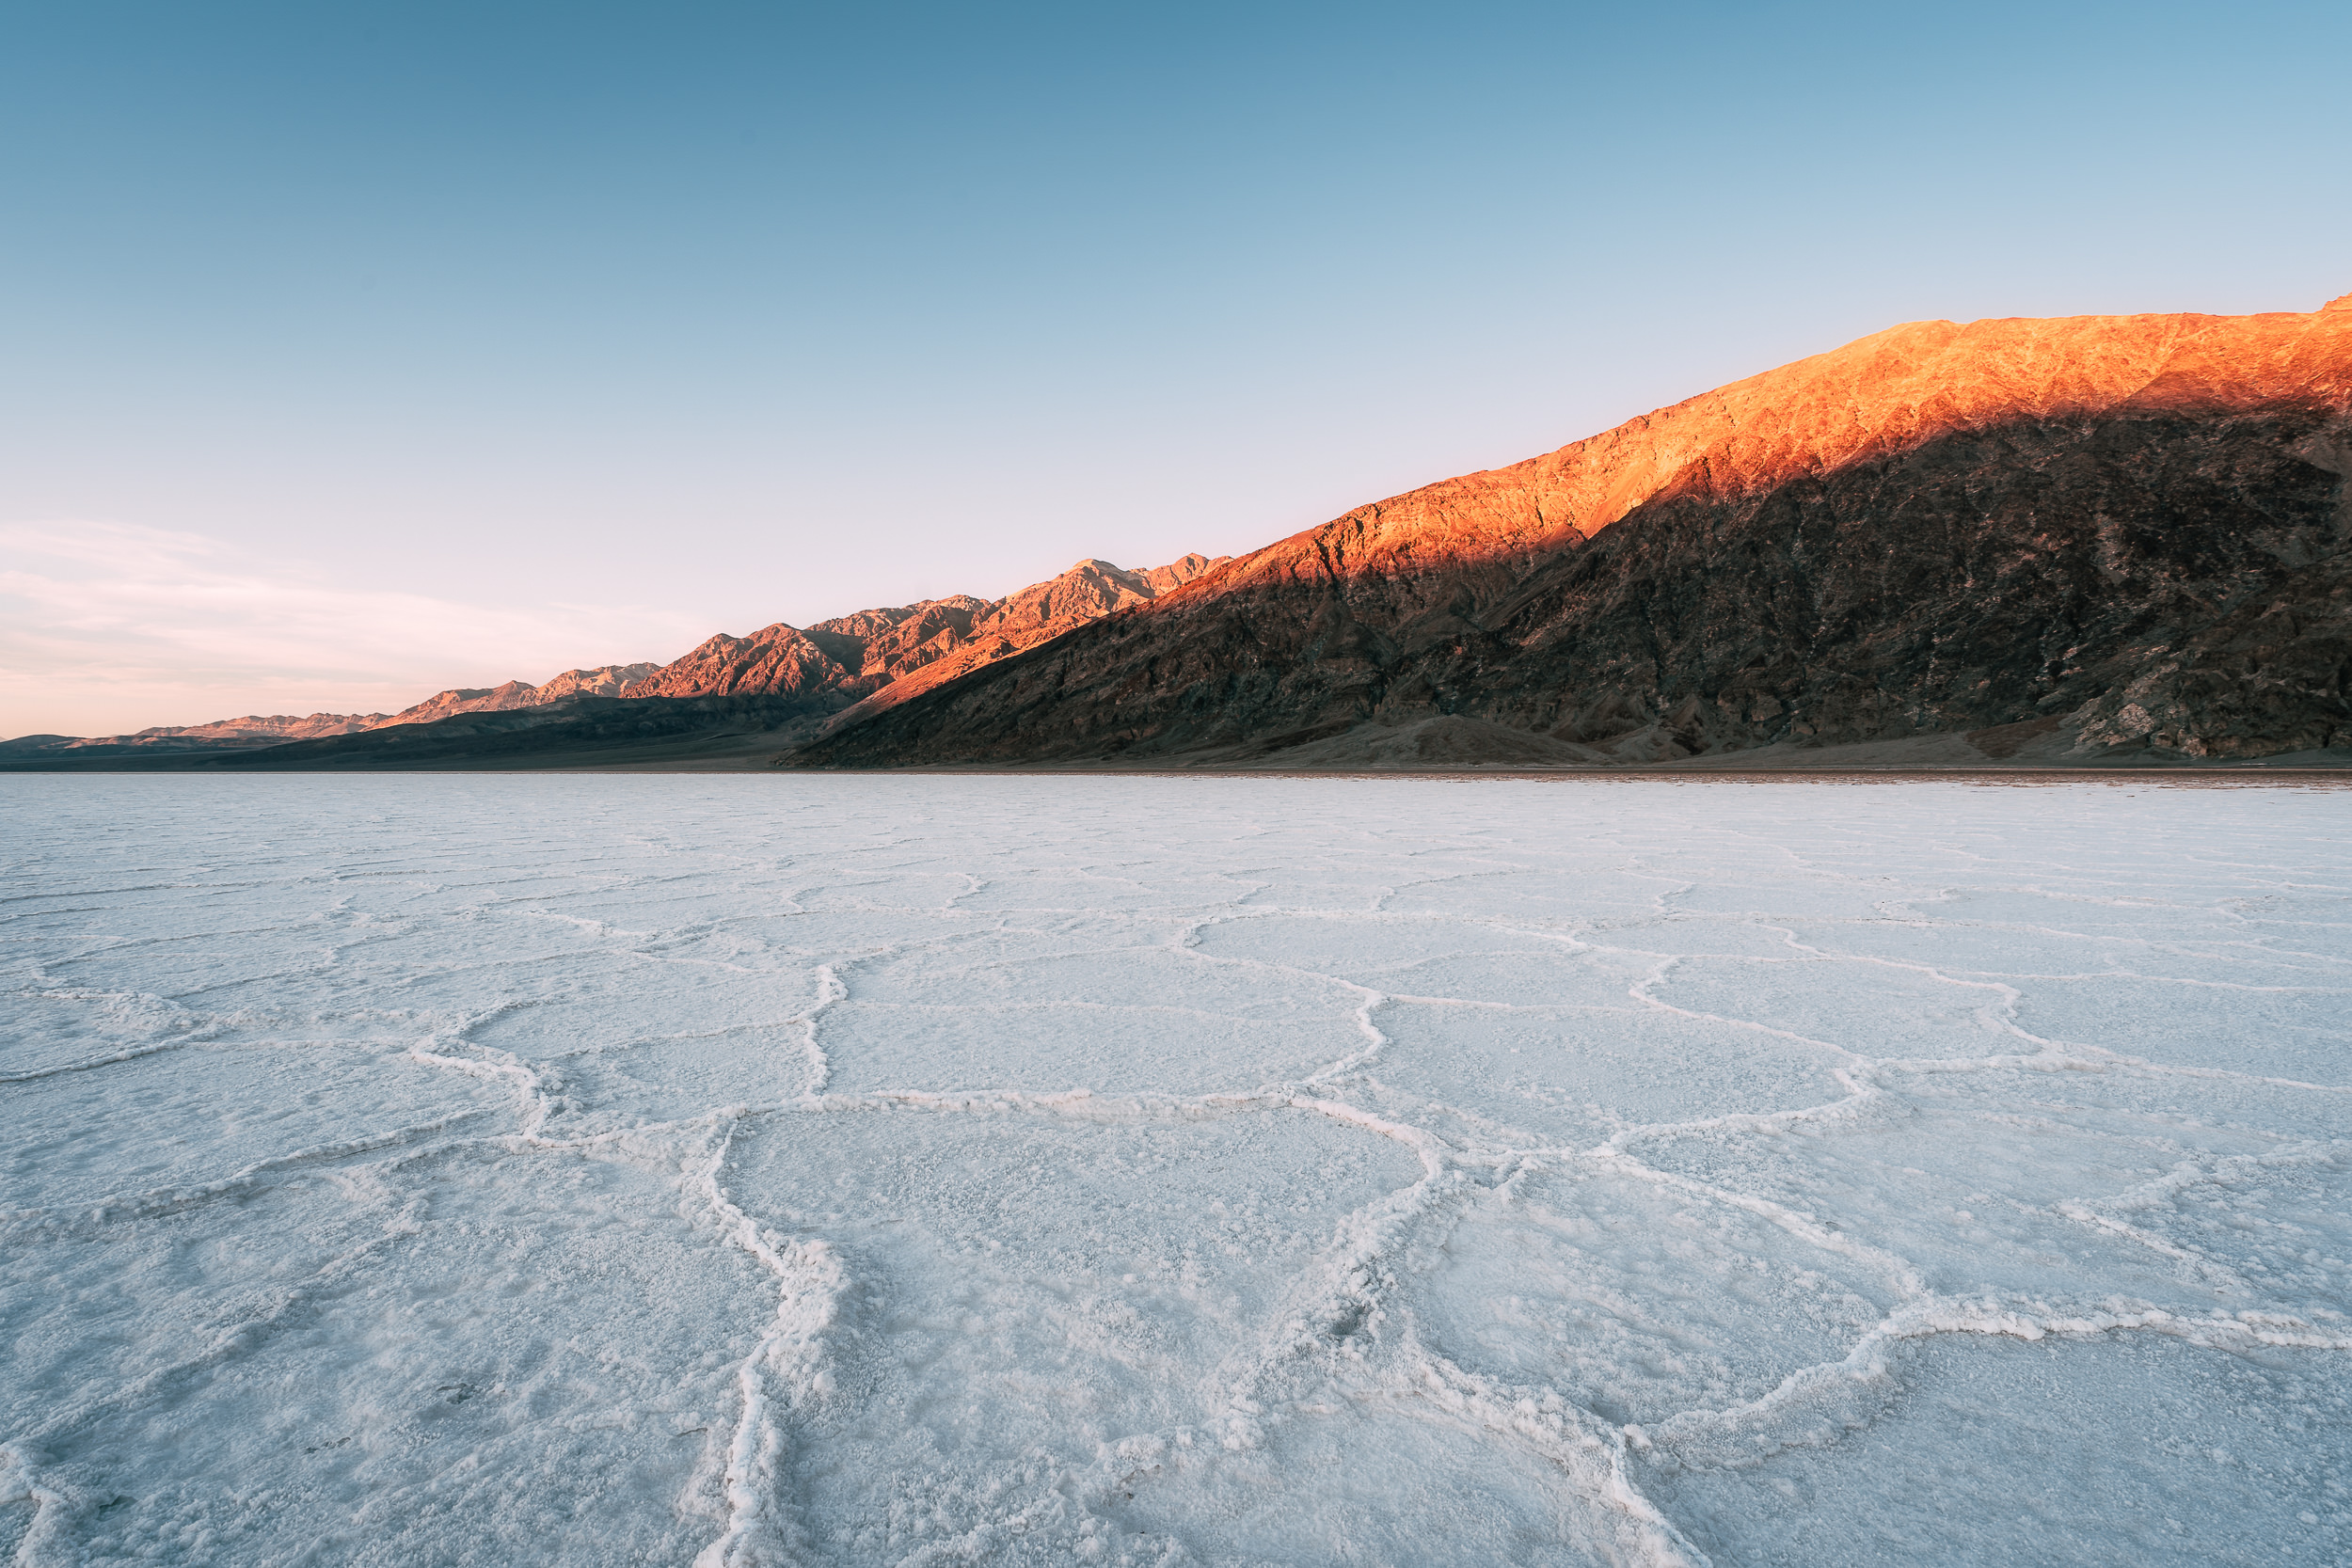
(827, 1169)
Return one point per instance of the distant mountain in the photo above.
(2077, 539)
(252, 730)
(780, 683)
(255, 730)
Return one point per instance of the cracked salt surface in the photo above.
(988, 1170)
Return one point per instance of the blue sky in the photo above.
(347, 352)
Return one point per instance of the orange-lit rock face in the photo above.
(777, 659)
(915, 646)
(883, 644)
(1087, 590)
(1038, 613)
(1882, 395)
(607, 680)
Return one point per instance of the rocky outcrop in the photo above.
(1086, 591)
(1038, 613)
(466, 699)
(834, 664)
(885, 645)
(2123, 535)
(773, 661)
(607, 680)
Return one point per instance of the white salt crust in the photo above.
(820, 1170)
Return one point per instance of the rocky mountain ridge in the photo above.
(605, 680)
(856, 655)
(2079, 538)
(816, 671)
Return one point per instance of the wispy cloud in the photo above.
(106, 627)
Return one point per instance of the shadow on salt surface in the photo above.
(621, 999)
(1354, 1481)
(2290, 916)
(1784, 899)
(641, 900)
(198, 1115)
(1563, 1076)
(1700, 937)
(549, 934)
(2029, 1191)
(1046, 1312)
(2129, 1451)
(603, 1089)
(1633, 1299)
(986, 1011)
(2280, 1220)
(97, 1303)
(468, 1358)
(340, 961)
(1506, 888)
(2142, 1101)
(635, 1042)
(207, 971)
(48, 1028)
(2102, 911)
(2216, 952)
(1432, 959)
(1359, 945)
(2300, 1034)
(932, 889)
(1144, 888)
(1871, 1009)
(1555, 979)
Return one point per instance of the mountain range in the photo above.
(255, 729)
(795, 673)
(2088, 539)
(2056, 540)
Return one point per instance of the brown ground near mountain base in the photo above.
(1455, 745)
(1426, 749)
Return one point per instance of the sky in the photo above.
(352, 352)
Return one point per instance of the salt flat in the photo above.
(848, 1170)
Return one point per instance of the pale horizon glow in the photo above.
(387, 351)
(119, 629)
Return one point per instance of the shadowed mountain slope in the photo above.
(2096, 536)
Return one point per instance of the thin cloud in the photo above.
(106, 627)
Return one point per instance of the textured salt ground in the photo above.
(853, 1170)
